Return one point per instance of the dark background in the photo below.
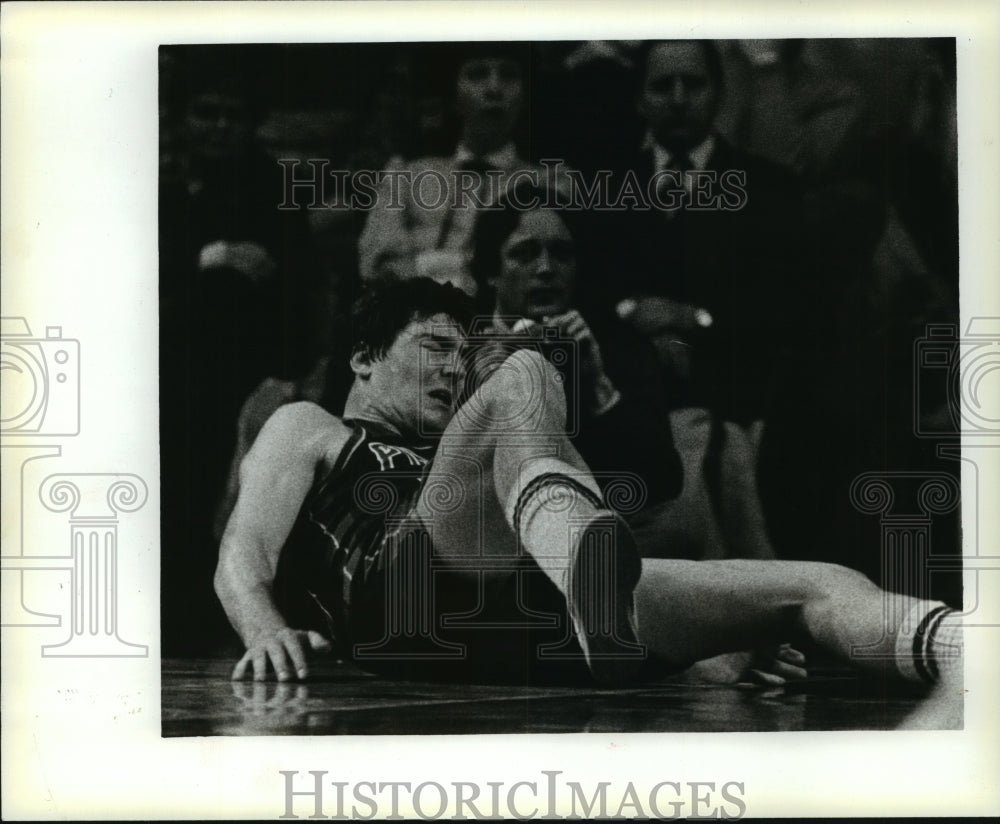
(868, 128)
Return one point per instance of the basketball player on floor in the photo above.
(498, 518)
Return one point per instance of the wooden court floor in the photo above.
(199, 699)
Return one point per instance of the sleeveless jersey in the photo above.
(366, 545)
(364, 498)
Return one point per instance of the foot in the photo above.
(599, 600)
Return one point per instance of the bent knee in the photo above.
(525, 390)
(527, 368)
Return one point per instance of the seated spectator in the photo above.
(236, 287)
(430, 233)
(715, 281)
(733, 253)
(524, 263)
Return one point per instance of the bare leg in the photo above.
(691, 610)
(523, 486)
(510, 431)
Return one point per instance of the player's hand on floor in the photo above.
(284, 651)
(772, 667)
(776, 667)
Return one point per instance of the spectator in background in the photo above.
(581, 109)
(720, 292)
(525, 263)
(431, 234)
(741, 267)
(236, 287)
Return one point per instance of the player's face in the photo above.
(489, 93)
(678, 97)
(417, 380)
(537, 267)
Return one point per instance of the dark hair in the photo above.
(497, 223)
(713, 59)
(385, 310)
(439, 64)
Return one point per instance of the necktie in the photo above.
(479, 167)
(681, 164)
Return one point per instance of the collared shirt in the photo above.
(503, 158)
(663, 158)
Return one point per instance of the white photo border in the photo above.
(81, 738)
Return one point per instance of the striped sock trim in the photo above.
(545, 479)
(923, 657)
(946, 646)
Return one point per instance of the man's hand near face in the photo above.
(595, 385)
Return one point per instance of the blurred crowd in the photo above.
(770, 338)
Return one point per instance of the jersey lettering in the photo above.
(387, 454)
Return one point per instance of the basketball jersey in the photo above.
(363, 540)
(367, 495)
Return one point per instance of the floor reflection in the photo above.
(199, 699)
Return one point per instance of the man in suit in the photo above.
(711, 273)
(719, 268)
(420, 224)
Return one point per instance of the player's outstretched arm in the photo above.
(275, 479)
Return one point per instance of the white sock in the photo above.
(543, 509)
(929, 643)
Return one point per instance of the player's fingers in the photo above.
(786, 652)
(293, 645)
(790, 672)
(758, 676)
(259, 655)
(318, 642)
(240, 670)
(276, 652)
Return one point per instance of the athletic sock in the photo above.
(589, 553)
(929, 643)
(541, 518)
